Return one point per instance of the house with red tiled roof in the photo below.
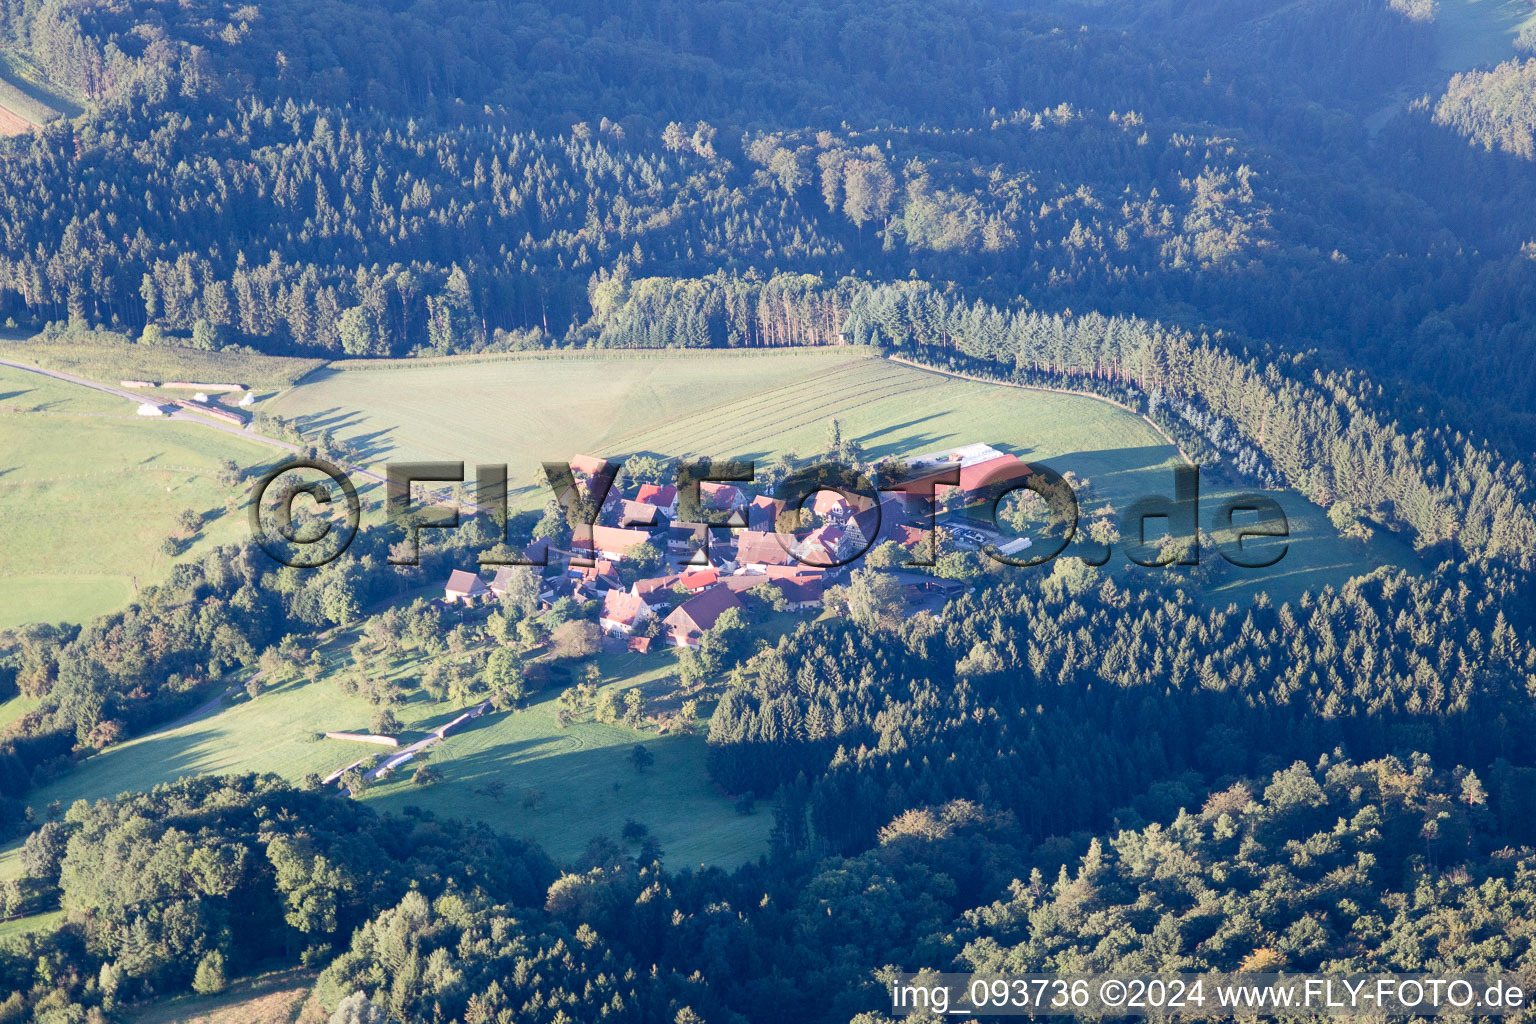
(587, 465)
(465, 588)
(837, 507)
(622, 613)
(755, 549)
(720, 496)
(699, 580)
(690, 620)
(612, 542)
(801, 592)
(662, 496)
(600, 575)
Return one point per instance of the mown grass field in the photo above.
(31, 92)
(89, 491)
(587, 784)
(751, 406)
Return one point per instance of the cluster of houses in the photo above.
(706, 571)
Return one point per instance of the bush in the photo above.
(210, 978)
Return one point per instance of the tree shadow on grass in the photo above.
(132, 767)
(367, 446)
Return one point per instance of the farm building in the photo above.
(465, 588)
(917, 584)
(980, 465)
(182, 385)
(689, 621)
(623, 613)
(800, 591)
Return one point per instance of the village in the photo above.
(704, 571)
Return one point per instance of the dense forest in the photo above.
(1243, 220)
(248, 177)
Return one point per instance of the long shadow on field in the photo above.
(866, 438)
(372, 446)
(367, 446)
(920, 444)
(1120, 467)
(124, 769)
(329, 419)
(6, 396)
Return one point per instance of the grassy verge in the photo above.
(14, 708)
(44, 100)
(110, 361)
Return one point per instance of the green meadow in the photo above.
(28, 925)
(89, 491)
(563, 786)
